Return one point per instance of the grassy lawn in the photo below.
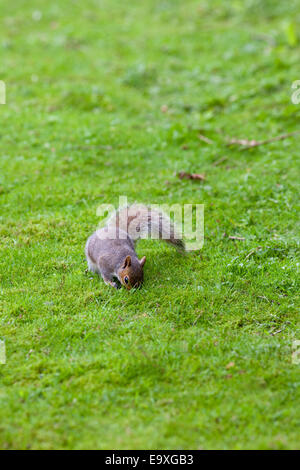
(108, 98)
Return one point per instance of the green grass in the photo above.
(91, 367)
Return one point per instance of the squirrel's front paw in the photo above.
(113, 284)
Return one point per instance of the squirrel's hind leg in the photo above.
(92, 266)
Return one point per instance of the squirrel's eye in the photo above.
(126, 279)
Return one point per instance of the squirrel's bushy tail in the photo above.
(140, 221)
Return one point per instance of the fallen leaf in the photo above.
(205, 139)
(248, 144)
(244, 142)
(276, 332)
(250, 254)
(191, 176)
(230, 364)
(221, 160)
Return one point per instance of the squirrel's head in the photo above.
(131, 273)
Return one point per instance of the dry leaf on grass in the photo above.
(248, 144)
(191, 176)
(230, 365)
(244, 142)
(221, 160)
(205, 139)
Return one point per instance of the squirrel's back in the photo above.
(140, 221)
(110, 250)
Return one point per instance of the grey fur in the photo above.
(107, 249)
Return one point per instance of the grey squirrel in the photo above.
(110, 251)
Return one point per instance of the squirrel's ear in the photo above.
(127, 261)
(143, 261)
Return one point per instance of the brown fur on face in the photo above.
(132, 272)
